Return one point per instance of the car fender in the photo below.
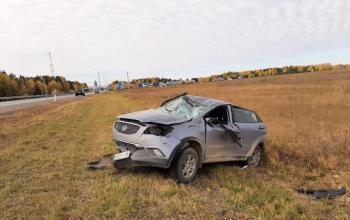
(184, 144)
(259, 141)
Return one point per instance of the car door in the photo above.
(220, 145)
(251, 129)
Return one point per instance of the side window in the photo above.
(219, 113)
(244, 116)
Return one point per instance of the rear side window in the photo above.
(244, 116)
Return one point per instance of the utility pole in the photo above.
(106, 80)
(127, 75)
(99, 80)
(52, 73)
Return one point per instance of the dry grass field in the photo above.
(43, 152)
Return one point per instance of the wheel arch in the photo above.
(261, 144)
(185, 143)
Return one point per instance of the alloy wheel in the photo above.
(189, 166)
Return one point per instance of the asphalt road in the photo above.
(26, 103)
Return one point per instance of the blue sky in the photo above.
(169, 38)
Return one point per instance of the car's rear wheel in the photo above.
(257, 157)
(184, 168)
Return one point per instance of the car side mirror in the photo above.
(212, 121)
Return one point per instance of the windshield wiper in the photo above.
(166, 109)
(191, 102)
(188, 100)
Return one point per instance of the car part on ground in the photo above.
(105, 161)
(323, 193)
(216, 130)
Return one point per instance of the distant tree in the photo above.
(30, 87)
(39, 88)
(54, 86)
(310, 69)
(11, 85)
(4, 84)
(65, 86)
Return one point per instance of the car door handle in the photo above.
(261, 127)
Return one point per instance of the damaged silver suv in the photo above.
(186, 132)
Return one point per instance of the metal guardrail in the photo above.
(13, 98)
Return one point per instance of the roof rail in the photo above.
(172, 98)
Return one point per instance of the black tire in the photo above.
(257, 157)
(185, 166)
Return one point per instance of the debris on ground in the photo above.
(323, 193)
(244, 167)
(105, 161)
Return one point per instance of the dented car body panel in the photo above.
(221, 132)
(154, 116)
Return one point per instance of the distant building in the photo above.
(189, 81)
(130, 85)
(174, 83)
(217, 78)
(120, 85)
(112, 86)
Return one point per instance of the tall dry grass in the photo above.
(43, 152)
(308, 115)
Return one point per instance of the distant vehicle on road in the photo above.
(100, 90)
(145, 85)
(161, 84)
(80, 92)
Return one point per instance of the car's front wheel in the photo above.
(184, 168)
(257, 157)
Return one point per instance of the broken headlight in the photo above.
(159, 130)
(155, 152)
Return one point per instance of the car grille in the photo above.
(123, 146)
(126, 128)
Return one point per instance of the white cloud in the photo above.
(169, 38)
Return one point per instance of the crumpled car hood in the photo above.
(154, 116)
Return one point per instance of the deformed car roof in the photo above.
(209, 102)
(158, 117)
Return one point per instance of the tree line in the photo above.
(275, 71)
(251, 73)
(147, 80)
(11, 85)
(151, 80)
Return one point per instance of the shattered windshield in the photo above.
(184, 106)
